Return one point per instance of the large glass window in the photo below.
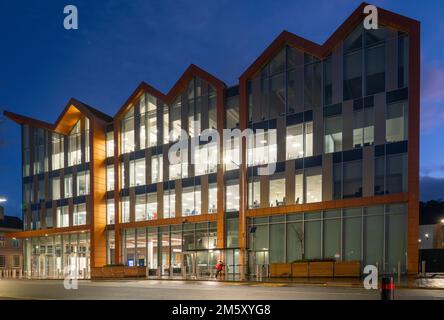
(396, 171)
(110, 144)
(333, 134)
(137, 172)
(254, 193)
(40, 151)
(56, 188)
(353, 75)
(212, 198)
(352, 179)
(396, 223)
(178, 170)
(148, 121)
(352, 226)
(86, 137)
(169, 203)
(68, 186)
(277, 190)
(262, 148)
(41, 190)
(328, 82)
(166, 129)
(277, 242)
(194, 107)
(295, 241)
(232, 157)
(313, 182)
(363, 127)
(175, 119)
(110, 178)
(128, 143)
(396, 123)
(75, 145)
(157, 168)
(140, 207)
(125, 209)
(212, 108)
(312, 236)
(232, 230)
(191, 201)
(63, 217)
(151, 206)
(232, 112)
(295, 143)
(374, 235)
(232, 195)
(332, 234)
(83, 183)
(110, 211)
(312, 82)
(205, 159)
(375, 69)
(58, 158)
(403, 60)
(48, 218)
(79, 214)
(26, 151)
(299, 187)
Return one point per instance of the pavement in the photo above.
(196, 290)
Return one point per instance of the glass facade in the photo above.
(355, 234)
(57, 256)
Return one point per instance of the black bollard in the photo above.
(387, 288)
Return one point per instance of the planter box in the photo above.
(347, 269)
(321, 269)
(117, 272)
(299, 269)
(280, 269)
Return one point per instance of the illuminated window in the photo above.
(79, 217)
(68, 186)
(58, 158)
(75, 146)
(396, 123)
(128, 143)
(169, 203)
(125, 209)
(212, 198)
(56, 188)
(110, 178)
(83, 183)
(262, 149)
(333, 134)
(157, 169)
(137, 172)
(110, 211)
(313, 182)
(148, 121)
(110, 144)
(296, 142)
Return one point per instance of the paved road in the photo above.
(171, 290)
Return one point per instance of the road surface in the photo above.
(199, 290)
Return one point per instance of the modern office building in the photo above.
(338, 123)
(10, 248)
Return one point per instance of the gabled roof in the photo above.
(66, 120)
(385, 17)
(178, 87)
(11, 223)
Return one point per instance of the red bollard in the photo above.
(387, 288)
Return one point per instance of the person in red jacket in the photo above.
(219, 267)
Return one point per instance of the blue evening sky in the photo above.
(121, 43)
